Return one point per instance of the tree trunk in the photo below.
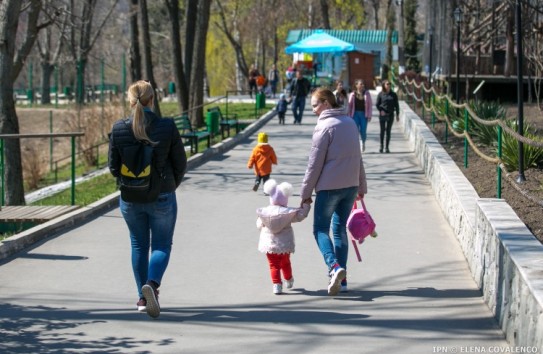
(324, 14)
(198, 60)
(46, 72)
(135, 55)
(190, 28)
(510, 42)
(10, 65)
(147, 53)
(180, 79)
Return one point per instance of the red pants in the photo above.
(279, 263)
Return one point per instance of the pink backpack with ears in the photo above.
(360, 225)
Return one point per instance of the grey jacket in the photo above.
(335, 161)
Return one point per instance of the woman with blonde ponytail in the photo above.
(151, 225)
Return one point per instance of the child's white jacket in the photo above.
(274, 222)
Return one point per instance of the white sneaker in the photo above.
(363, 146)
(289, 283)
(337, 275)
(277, 289)
(344, 289)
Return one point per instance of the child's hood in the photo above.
(276, 217)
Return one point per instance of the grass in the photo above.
(85, 192)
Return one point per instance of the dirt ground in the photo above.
(525, 198)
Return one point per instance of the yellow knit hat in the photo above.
(262, 137)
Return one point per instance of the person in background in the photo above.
(340, 94)
(335, 171)
(276, 233)
(253, 74)
(299, 89)
(273, 79)
(360, 107)
(282, 108)
(387, 104)
(262, 158)
(151, 225)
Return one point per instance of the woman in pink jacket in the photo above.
(360, 109)
(335, 171)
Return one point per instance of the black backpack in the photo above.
(139, 179)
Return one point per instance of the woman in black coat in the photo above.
(387, 104)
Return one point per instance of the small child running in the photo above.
(262, 158)
(276, 233)
(282, 108)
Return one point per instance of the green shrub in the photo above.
(492, 110)
(533, 156)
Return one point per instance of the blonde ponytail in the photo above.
(140, 94)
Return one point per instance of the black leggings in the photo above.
(386, 126)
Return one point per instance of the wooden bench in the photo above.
(194, 136)
(14, 219)
(226, 122)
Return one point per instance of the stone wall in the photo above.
(505, 259)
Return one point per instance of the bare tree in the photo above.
(135, 55)
(229, 31)
(197, 73)
(190, 28)
(11, 62)
(180, 78)
(83, 35)
(324, 14)
(50, 45)
(147, 52)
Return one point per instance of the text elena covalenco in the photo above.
(482, 349)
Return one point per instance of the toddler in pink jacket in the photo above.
(276, 233)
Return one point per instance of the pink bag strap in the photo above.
(356, 250)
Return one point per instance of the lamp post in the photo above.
(431, 40)
(458, 18)
(401, 57)
(520, 92)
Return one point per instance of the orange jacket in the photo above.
(262, 158)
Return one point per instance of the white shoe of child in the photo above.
(289, 283)
(277, 289)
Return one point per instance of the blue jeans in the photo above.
(298, 106)
(150, 225)
(332, 207)
(362, 123)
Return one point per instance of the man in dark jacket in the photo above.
(299, 89)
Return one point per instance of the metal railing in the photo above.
(31, 136)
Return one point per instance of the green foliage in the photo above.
(533, 156)
(490, 110)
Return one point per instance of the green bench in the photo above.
(226, 122)
(194, 136)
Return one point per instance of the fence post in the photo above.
(73, 170)
(466, 130)
(51, 141)
(432, 102)
(2, 169)
(227, 103)
(423, 103)
(447, 115)
(499, 170)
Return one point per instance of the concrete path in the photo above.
(412, 293)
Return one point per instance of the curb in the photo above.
(16, 243)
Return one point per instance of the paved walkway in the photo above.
(412, 293)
